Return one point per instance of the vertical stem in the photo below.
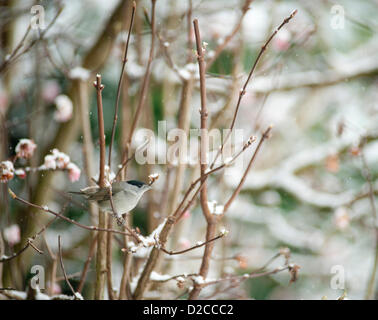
(101, 246)
(145, 83)
(120, 86)
(109, 248)
(210, 218)
(370, 292)
(87, 264)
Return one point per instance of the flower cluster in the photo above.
(60, 160)
(6, 171)
(25, 148)
(55, 161)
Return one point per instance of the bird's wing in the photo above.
(104, 194)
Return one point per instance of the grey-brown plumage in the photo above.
(125, 195)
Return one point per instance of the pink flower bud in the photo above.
(12, 234)
(64, 108)
(186, 214)
(56, 289)
(50, 91)
(73, 172)
(184, 244)
(281, 42)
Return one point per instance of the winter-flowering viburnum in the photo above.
(12, 234)
(64, 108)
(61, 159)
(25, 148)
(20, 173)
(282, 40)
(50, 91)
(73, 172)
(49, 162)
(6, 171)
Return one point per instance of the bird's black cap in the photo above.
(137, 183)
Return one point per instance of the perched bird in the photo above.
(125, 195)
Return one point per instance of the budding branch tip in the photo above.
(13, 195)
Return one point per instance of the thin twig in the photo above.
(101, 241)
(194, 247)
(243, 91)
(210, 218)
(63, 269)
(46, 209)
(87, 264)
(370, 291)
(29, 243)
(218, 50)
(119, 86)
(145, 83)
(241, 183)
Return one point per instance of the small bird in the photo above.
(125, 195)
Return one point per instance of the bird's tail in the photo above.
(76, 192)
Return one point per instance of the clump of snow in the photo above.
(147, 242)
(188, 71)
(198, 279)
(228, 160)
(215, 208)
(79, 73)
(109, 176)
(153, 238)
(159, 277)
(224, 231)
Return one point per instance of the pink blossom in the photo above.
(6, 171)
(184, 244)
(20, 173)
(50, 162)
(25, 148)
(64, 108)
(281, 42)
(56, 289)
(50, 91)
(186, 214)
(62, 160)
(73, 172)
(12, 234)
(341, 218)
